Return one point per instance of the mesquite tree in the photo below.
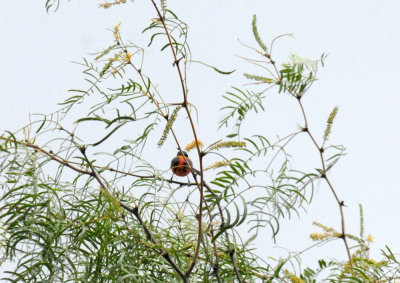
(98, 209)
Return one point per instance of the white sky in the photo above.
(362, 39)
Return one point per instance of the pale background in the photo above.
(361, 77)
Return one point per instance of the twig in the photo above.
(135, 212)
(225, 233)
(70, 164)
(215, 266)
(94, 174)
(324, 176)
(321, 152)
(185, 105)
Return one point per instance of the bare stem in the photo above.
(72, 165)
(230, 247)
(321, 153)
(185, 105)
(324, 176)
(216, 264)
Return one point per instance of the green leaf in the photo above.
(214, 68)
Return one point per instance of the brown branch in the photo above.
(147, 86)
(69, 163)
(231, 253)
(51, 155)
(230, 247)
(93, 173)
(185, 105)
(321, 152)
(324, 176)
(135, 212)
(215, 266)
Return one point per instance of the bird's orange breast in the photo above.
(179, 166)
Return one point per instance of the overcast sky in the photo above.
(361, 77)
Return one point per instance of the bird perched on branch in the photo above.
(182, 165)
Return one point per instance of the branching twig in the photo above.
(135, 212)
(225, 233)
(185, 105)
(94, 174)
(321, 152)
(70, 164)
(324, 176)
(216, 265)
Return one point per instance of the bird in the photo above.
(182, 165)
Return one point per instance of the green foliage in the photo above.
(259, 78)
(330, 122)
(100, 210)
(177, 31)
(168, 127)
(240, 103)
(52, 4)
(298, 75)
(256, 35)
(226, 144)
(214, 68)
(164, 6)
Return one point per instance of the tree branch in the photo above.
(185, 105)
(324, 176)
(135, 212)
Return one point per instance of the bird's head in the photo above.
(182, 153)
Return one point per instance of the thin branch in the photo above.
(232, 256)
(94, 174)
(216, 264)
(324, 176)
(70, 164)
(185, 105)
(226, 232)
(135, 212)
(51, 155)
(321, 152)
